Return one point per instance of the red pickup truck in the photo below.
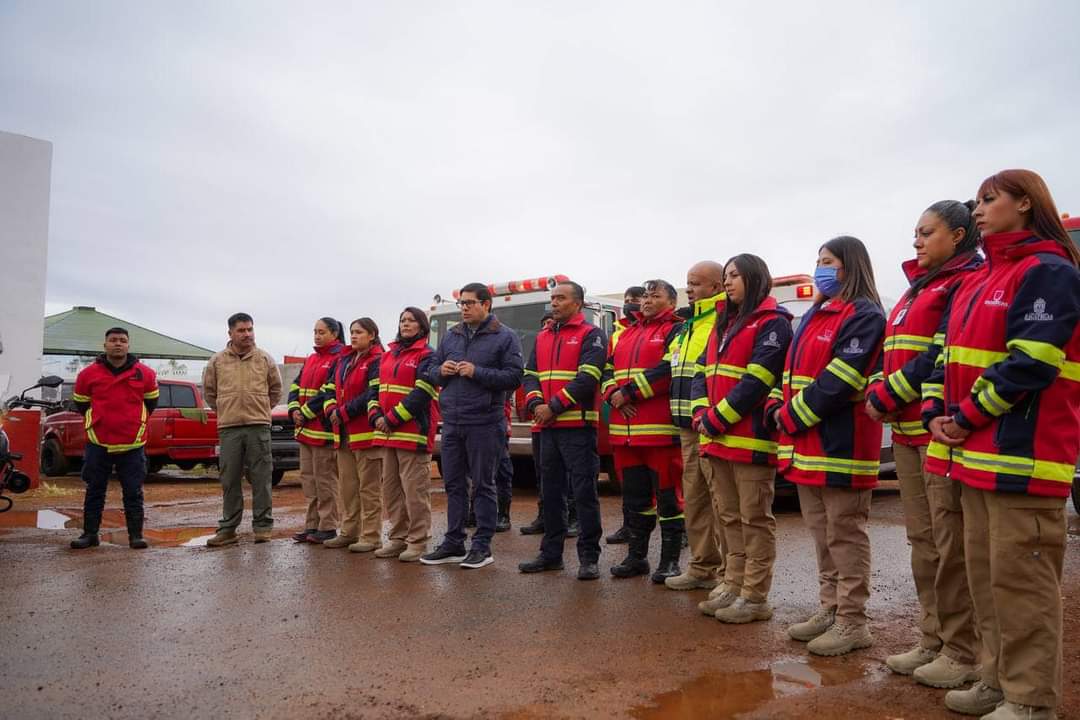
(182, 431)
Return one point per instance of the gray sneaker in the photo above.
(840, 639)
(717, 602)
(979, 699)
(818, 623)
(945, 672)
(906, 663)
(742, 611)
(1014, 711)
(222, 537)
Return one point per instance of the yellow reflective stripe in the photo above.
(987, 397)
(727, 412)
(315, 434)
(607, 384)
(901, 386)
(643, 385)
(588, 369)
(973, 356)
(402, 412)
(532, 373)
(374, 382)
(815, 463)
(798, 382)
(534, 394)
(915, 343)
(909, 428)
(152, 395)
(403, 436)
(1041, 351)
(427, 387)
(575, 416)
(399, 389)
(557, 375)
(293, 406)
(372, 404)
(568, 396)
(307, 412)
(619, 430)
(1014, 465)
(698, 403)
(845, 372)
(802, 409)
(80, 398)
(1070, 371)
(686, 370)
(776, 394)
(933, 391)
(308, 392)
(741, 443)
(762, 373)
(361, 437)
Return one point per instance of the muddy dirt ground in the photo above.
(286, 630)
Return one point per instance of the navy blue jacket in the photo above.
(495, 350)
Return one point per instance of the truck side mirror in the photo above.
(51, 381)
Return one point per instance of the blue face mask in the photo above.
(826, 282)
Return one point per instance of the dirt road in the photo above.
(285, 630)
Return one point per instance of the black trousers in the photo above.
(98, 464)
(570, 465)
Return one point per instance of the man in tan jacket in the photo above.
(242, 384)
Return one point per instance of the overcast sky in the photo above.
(353, 158)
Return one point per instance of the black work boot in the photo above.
(86, 540)
(622, 535)
(502, 522)
(671, 535)
(536, 527)
(134, 528)
(636, 561)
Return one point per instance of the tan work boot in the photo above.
(1014, 711)
(818, 623)
(945, 672)
(743, 611)
(689, 581)
(905, 663)
(716, 602)
(979, 699)
(391, 550)
(262, 536)
(840, 639)
(222, 537)
(339, 541)
(413, 553)
(362, 546)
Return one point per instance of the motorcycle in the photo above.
(11, 478)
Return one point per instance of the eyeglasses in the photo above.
(467, 303)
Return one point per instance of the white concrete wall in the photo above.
(25, 172)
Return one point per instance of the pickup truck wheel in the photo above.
(53, 462)
(154, 466)
(275, 477)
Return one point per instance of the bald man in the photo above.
(704, 288)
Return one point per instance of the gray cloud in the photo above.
(350, 159)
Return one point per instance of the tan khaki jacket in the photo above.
(242, 389)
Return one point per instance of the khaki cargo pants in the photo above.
(744, 495)
(318, 478)
(836, 519)
(406, 487)
(360, 491)
(703, 532)
(1015, 549)
(935, 529)
(245, 450)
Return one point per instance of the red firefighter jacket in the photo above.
(564, 371)
(826, 437)
(405, 399)
(1010, 370)
(910, 347)
(740, 366)
(355, 382)
(639, 367)
(116, 402)
(307, 395)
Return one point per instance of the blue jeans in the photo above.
(471, 451)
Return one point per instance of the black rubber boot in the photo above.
(86, 540)
(502, 522)
(621, 535)
(134, 528)
(671, 535)
(636, 561)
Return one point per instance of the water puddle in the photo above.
(727, 695)
(113, 527)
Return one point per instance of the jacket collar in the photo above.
(129, 363)
(332, 349)
(491, 324)
(962, 261)
(231, 349)
(1010, 247)
(577, 319)
(668, 314)
(701, 307)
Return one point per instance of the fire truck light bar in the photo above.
(804, 291)
(528, 285)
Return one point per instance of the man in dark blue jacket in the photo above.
(476, 365)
